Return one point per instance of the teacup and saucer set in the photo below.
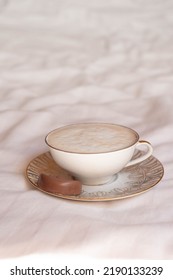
(95, 162)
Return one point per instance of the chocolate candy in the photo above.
(57, 185)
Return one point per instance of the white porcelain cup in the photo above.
(94, 152)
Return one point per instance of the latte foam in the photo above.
(92, 138)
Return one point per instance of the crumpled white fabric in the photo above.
(63, 62)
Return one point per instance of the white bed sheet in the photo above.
(75, 61)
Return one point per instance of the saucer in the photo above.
(130, 181)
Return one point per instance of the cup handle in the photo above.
(143, 157)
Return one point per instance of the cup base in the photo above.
(97, 181)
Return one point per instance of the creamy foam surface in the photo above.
(91, 138)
